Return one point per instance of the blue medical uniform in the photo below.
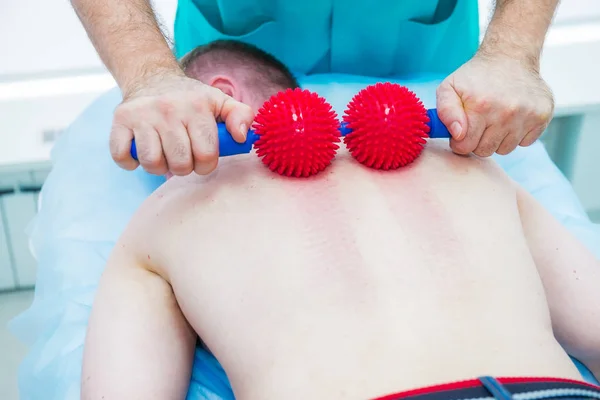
(379, 38)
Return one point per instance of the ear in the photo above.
(225, 85)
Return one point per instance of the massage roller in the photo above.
(296, 132)
(386, 126)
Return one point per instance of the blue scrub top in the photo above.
(381, 38)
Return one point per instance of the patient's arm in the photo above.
(571, 278)
(138, 344)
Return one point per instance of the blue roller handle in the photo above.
(437, 128)
(229, 147)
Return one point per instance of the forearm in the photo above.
(127, 38)
(518, 29)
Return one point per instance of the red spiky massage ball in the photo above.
(389, 126)
(298, 131)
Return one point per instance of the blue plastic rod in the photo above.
(229, 147)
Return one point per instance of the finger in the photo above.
(491, 140)
(204, 141)
(451, 110)
(238, 118)
(469, 143)
(120, 147)
(177, 149)
(509, 144)
(149, 149)
(518, 127)
(533, 135)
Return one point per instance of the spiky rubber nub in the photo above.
(389, 126)
(298, 133)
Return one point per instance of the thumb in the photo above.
(238, 117)
(451, 111)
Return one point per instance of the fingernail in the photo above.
(456, 130)
(244, 130)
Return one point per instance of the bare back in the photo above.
(400, 278)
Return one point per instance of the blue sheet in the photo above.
(84, 210)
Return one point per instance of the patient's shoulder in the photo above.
(244, 180)
(244, 184)
(156, 221)
(438, 152)
(243, 192)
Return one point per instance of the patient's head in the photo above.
(240, 70)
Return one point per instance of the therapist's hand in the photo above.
(173, 119)
(494, 103)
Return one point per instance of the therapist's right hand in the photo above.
(173, 120)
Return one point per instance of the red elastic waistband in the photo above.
(472, 383)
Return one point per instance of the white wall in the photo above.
(45, 36)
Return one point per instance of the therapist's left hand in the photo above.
(494, 103)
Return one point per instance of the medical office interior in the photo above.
(49, 73)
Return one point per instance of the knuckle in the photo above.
(206, 132)
(245, 108)
(484, 151)
(508, 146)
(206, 158)
(119, 157)
(443, 86)
(541, 118)
(181, 167)
(481, 104)
(128, 165)
(179, 157)
(206, 167)
(148, 157)
(511, 111)
(460, 147)
(210, 138)
(486, 147)
(120, 114)
(199, 104)
(439, 90)
(490, 143)
(180, 152)
(181, 170)
(532, 136)
(166, 106)
(118, 147)
(538, 129)
(160, 170)
(551, 106)
(504, 150)
(532, 114)
(528, 141)
(114, 143)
